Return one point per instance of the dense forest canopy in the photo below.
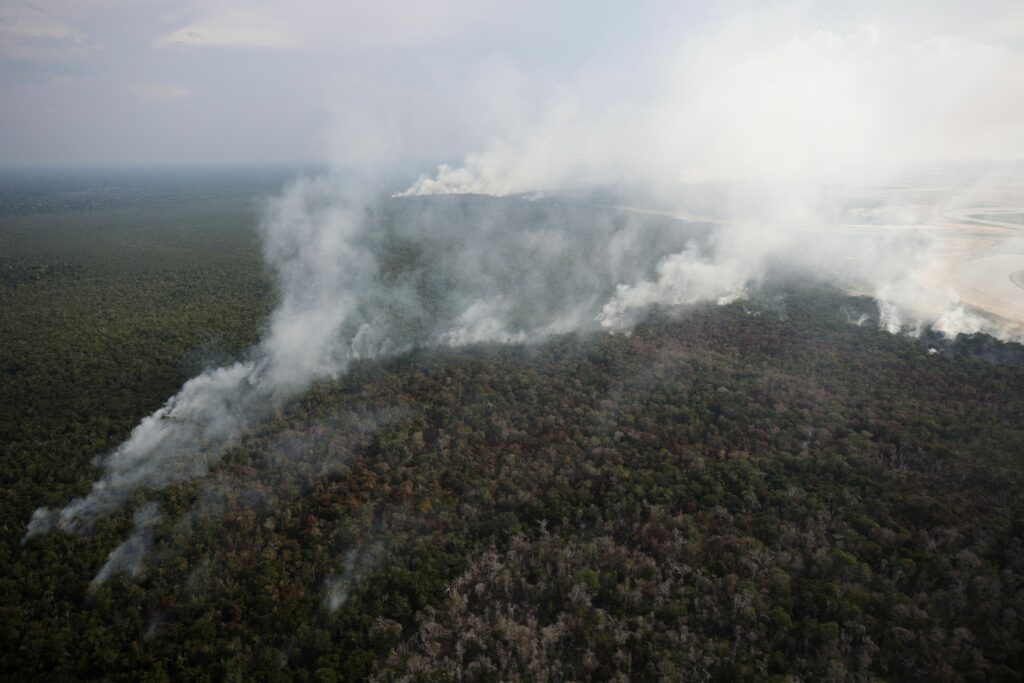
(758, 490)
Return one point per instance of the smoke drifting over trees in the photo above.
(361, 276)
(362, 279)
(616, 342)
(748, 139)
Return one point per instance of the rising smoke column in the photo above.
(319, 268)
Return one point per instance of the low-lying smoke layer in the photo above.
(363, 276)
(763, 115)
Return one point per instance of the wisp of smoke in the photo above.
(128, 557)
(358, 562)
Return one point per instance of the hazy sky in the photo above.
(228, 81)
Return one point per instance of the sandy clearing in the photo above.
(993, 276)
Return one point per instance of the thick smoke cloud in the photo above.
(793, 135)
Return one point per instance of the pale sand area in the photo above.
(981, 263)
(981, 259)
(998, 280)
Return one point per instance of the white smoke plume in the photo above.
(362, 276)
(795, 134)
(316, 268)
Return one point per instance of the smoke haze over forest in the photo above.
(511, 340)
(731, 143)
